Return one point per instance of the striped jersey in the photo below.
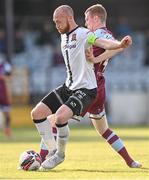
(80, 72)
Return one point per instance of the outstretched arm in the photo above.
(102, 57)
(110, 44)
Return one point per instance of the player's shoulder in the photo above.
(83, 33)
(83, 30)
(104, 33)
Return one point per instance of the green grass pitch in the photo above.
(88, 156)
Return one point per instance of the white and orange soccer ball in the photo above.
(29, 161)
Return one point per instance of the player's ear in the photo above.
(96, 18)
(70, 18)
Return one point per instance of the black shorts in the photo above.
(78, 100)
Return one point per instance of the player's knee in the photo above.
(63, 114)
(59, 118)
(100, 125)
(36, 113)
(102, 130)
(40, 111)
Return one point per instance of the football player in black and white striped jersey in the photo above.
(79, 89)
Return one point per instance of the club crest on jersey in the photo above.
(73, 104)
(73, 38)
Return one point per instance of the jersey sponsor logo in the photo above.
(73, 45)
(70, 46)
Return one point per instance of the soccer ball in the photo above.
(29, 160)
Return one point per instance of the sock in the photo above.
(117, 144)
(7, 129)
(7, 121)
(62, 138)
(54, 131)
(44, 128)
(43, 148)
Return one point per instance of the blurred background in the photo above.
(31, 44)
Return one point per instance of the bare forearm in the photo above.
(110, 53)
(106, 55)
(107, 44)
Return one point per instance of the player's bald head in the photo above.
(63, 10)
(63, 18)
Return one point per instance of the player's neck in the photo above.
(99, 25)
(72, 26)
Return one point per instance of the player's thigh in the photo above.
(80, 100)
(54, 99)
(101, 125)
(98, 106)
(63, 114)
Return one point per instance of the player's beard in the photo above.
(65, 30)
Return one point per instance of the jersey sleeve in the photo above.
(89, 38)
(101, 33)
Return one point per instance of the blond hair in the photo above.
(99, 11)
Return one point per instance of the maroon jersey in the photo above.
(97, 106)
(4, 98)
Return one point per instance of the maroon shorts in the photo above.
(98, 106)
(4, 99)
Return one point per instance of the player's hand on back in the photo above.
(89, 54)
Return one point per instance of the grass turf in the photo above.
(88, 156)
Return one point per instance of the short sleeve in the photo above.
(90, 39)
(102, 33)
